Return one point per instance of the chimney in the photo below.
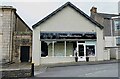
(93, 10)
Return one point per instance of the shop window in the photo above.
(44, 49)
(69, 48)
(90, 50)
(50, 49)
(59, 49)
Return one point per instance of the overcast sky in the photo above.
(32, 11)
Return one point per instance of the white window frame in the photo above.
(84, 48)
(65, 47)
(53, 48)
(95, 49)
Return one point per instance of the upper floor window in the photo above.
(118, 40)
(117, 25)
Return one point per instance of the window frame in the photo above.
(116, 24)
(95, 49)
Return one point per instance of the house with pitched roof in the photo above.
(111, 31)
(65, 34)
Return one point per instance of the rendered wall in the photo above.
(51, 60)
(117, 53)
(100, 45)
(113, 53)
(110, 41)
(36, 44)
(67, 20)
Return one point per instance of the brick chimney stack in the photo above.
(93, 10)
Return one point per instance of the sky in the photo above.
(32, 11)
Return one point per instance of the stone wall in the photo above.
(1, 34)
(21, 39)
(10, 22)
(16, 73)
(7, 28)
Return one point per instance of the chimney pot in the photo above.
(93, 10)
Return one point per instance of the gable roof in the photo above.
(12, 8)
(62, 7)
(23, 22)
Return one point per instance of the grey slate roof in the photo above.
(62, 7)
(105, 15)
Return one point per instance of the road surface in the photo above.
(100, 70)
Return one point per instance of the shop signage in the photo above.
(52, 35)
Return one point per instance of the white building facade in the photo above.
(67, 31)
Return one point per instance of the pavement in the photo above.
(81, 63)
(42, 68)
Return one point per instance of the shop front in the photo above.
(67, 44)
(65, 34)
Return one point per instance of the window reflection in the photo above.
(117, 25)
(90, 50)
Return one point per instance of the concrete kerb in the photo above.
(80, 63)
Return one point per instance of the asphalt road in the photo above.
(100, 70)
